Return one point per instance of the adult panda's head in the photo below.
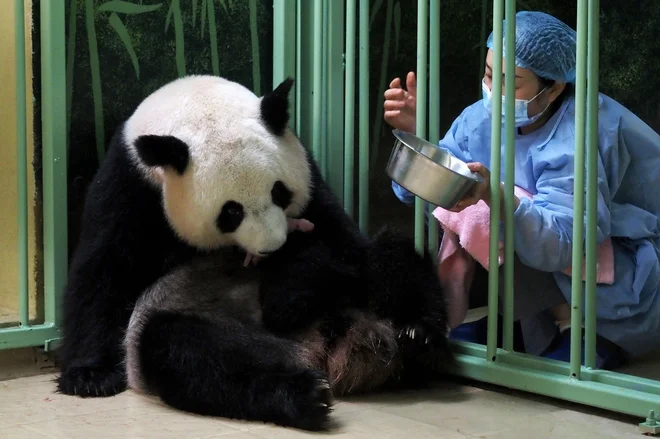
(229, 169)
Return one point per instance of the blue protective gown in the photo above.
(628, 312)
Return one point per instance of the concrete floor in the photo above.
(29, 408)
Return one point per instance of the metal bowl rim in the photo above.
(477, 178)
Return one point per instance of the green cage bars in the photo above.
(569, 381)
(53, 119)
(319, 44)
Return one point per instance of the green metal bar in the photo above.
(510, 90)
(592, 185)
(299, 64)
(317, 94)
(623, 400)
(422, 101)
(482, 48)
(324, 89)
(434, 107)
(24, 337)
(495, 171)
(305, 64)
(22, 164)
(363, 211)
(578, 204)
(53, 116)
(556, 367)
(335, 101)
(284, 48)
(349, 106)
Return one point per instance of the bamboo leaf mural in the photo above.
(204, 10)
(178, 33)
(122, 32)
(374, 11)
(70, 56)
(124, 7)
(215, 62)
(397, 28)
(168, 18)
(96, 79)
(194, 12)
(254, 37)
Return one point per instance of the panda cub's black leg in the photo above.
(404, 287)
(231, 370)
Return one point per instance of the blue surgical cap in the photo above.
(544, 45)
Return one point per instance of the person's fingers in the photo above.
(391, 105)
(396, 83)
(395, 94)
(392, 115)
(411, 84)
(301, 225)
(477, 167)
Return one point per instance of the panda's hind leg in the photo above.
(231, 370)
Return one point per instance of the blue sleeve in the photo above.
(452, 142)
(543, 225)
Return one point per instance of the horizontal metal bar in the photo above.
(23, 337)
(596, 388)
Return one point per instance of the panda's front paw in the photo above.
(92, 381)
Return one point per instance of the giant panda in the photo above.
(203, 172)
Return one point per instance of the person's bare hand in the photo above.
(400, 107)
(480, 192)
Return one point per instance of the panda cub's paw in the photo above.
(89, 382)
(422, 334)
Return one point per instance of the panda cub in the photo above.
(202, 173)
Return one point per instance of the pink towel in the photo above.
(466, 239)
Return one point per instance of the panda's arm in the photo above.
(308, 283)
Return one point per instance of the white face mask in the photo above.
(520, 115)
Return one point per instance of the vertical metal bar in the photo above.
(482, 65)
(434, 106)
(317, 93)
(349, 107)
(592, 183)
(335, 100)
(495, 171)
(510, 89)
(284, 48)
(363, 213)
(53, 116)
(298, 62)
(324, 88)
(578, 204)
(22, 169)
(422, 100)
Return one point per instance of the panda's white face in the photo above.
(229, 169)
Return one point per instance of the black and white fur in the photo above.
(201, 168)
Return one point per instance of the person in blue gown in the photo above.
(628, 310)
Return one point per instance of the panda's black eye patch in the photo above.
(281, 195)
(230, 217)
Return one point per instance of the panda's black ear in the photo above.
(163, 151)
(275, 107)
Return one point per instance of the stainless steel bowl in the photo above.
(428, 171)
